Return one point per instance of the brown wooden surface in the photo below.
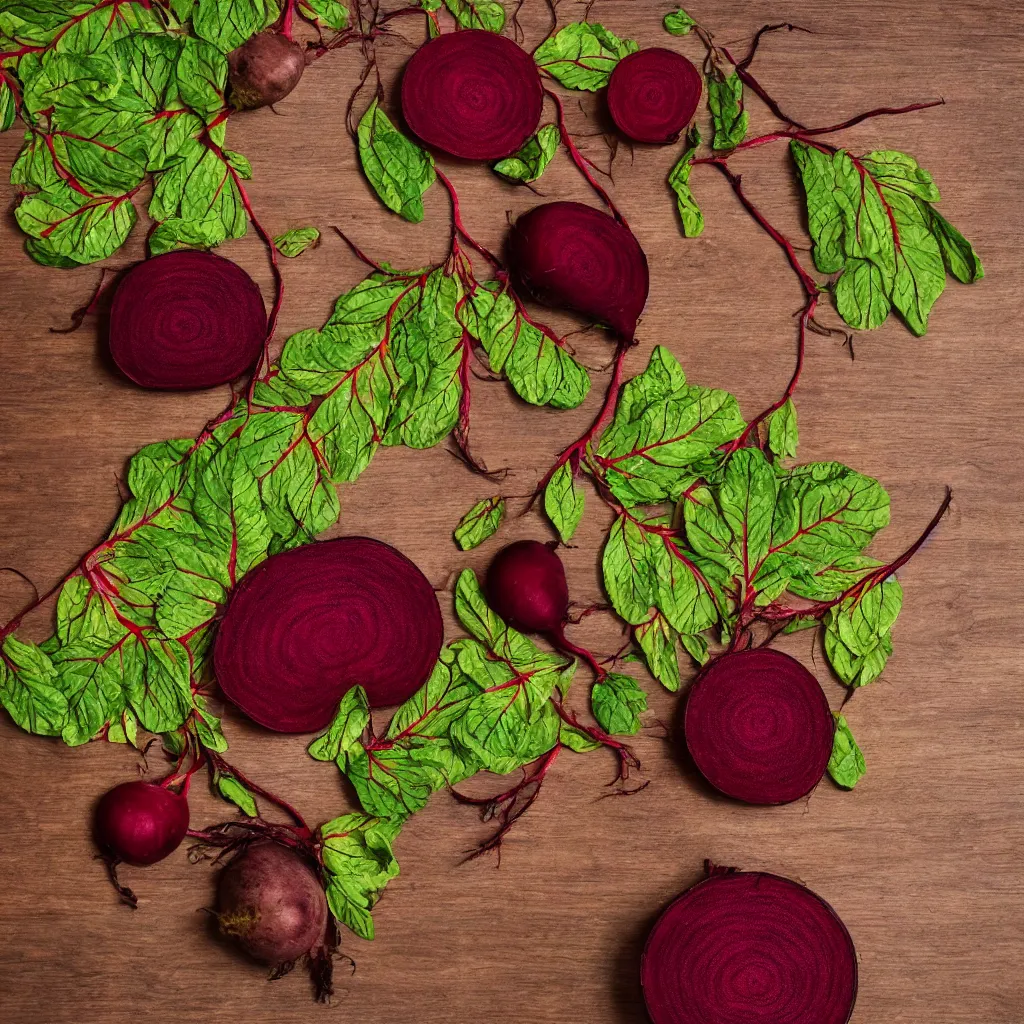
(923, 861)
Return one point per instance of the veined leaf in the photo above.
(488, 15)
(480, 522)
(846, 765)
(399, 170)
(728, 118)
(583, 55)
(229, 23)
(325, 13)
(618, 702)
(529, 162)
(564, 501)
(295, 242)
(690, 215)
(783, 436)
(678, 22)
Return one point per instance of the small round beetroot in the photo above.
(264, 70)
(749, 948)
(573, 256)
(526, 586)
(270, 901)
(140, 822)
(187, 319)
(758, 727)
(653, 95)
(473, 94)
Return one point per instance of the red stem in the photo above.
(458, 228)
(563, 643)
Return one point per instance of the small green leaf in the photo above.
(325, 13)
(296, 242)
(487, 15)
(618, 702)
(564, 501)
(690, 214)
(657, 640)
(729, 119)
(29, 690)
(343, 734)
(480, 522)
(846, 765)
(583, 55)
(783, 436)
(234, 792)
(8, 106)
(678, 22)
(229, 23)
(399, 170)
(529, 162)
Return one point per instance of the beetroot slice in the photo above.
(308, 624)
(187, 319)
(472, 94)
(576, 257)
(653, 95)
(749, 948)
(758, 727)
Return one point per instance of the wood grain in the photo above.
(923, 861)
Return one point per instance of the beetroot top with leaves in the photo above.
(758, 727)
(472, 94)
(187, 319)
(653, 95)
(306, 625)
(749, 948)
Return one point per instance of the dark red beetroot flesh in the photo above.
(271, 903)
(758, 727)
(653, 95)
(526, 586)
(185, 320)
(264, 70)
(749, 948)
(140, 822)
(576, 257)
(308, 624)
(473, 94)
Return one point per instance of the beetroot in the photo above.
(270, 901)
(526, 587)
(308, 624)
(653, 95)
(472, 94)
(571, 255)
(749, 948)
(140, 822)
(758, 727)
(264, 70)
(187, 319)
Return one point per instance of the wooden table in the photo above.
(922, 861)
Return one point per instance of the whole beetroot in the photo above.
(140, 822)
(272, 904)
(264, 70)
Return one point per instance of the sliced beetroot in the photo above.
(185, 320)
(308, 624)
(472, 94)
(140, 822)
(653, 95)
(758, 727)
(749, 948)
(526, 586)
(573, 256)
(264, 70)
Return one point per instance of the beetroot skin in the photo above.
(576, 257)
(264, 70)
(272, 904)
(526, 586)
(472, 94)
(308, 624)
(140, 822)
(187, 319)
(749, 948)
(758, 726)
(653, 95)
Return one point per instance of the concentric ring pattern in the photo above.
(653, 95)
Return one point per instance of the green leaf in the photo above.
(618, 702)
(690, 214)
(627, 573)
(236, 793)
(583, 55)
(229, 23)
(346, 729)
(564, 501)
(958, 254)
(662, 427)
(858, 638)
(359, 862)
(8, 106)
(846, 765)
(296, 242)
(728, 118)
(480, 522)
(679, 22)
(481, 14)
(657, 640)
(325, 13)
(399, 170)
(529, 162)
(783, 436)
(29, 690)
(437, 704)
